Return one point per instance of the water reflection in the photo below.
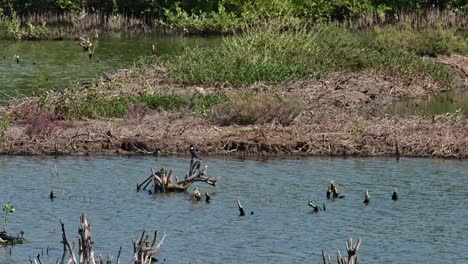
(451, 102)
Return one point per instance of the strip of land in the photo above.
(343, 115)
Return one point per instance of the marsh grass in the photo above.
(93, 103)
(281, 49)
(246, 108)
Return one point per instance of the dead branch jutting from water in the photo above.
(164, 181)
(144, 249)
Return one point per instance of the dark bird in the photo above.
(395, 195)
(328, 193)
(193, 152)
(207, 197)
(52, 196)
(366, 198)
(251, 212)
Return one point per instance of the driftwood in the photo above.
(164, 181)
(85, 44)
(351, 259)
(143, 250)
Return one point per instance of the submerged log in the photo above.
(241, 209)
(164, 181)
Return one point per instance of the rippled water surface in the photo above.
(428, 224)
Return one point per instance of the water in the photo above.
(428, 222)
(451, 102)
(52, 64)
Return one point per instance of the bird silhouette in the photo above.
(193, 152)
(395, 195)
(51, 195)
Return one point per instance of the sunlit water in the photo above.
(428, 223)
(54, 64)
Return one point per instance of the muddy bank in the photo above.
(441, 136)
(342, 116)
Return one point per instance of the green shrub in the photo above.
(287, 49)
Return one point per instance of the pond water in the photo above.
(450, 102)
(428, 223)
(51, 64)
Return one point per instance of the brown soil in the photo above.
(343, 116)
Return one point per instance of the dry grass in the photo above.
(246, 108)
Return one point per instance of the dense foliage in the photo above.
(156, 8)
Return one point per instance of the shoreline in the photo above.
(451, 141)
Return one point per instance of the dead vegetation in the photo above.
(144, 249)
(164, 181)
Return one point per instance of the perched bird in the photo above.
(194, 153)
(334, 189)
(366, 197)
(51, 195)
(395, 195)
(197, 194)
